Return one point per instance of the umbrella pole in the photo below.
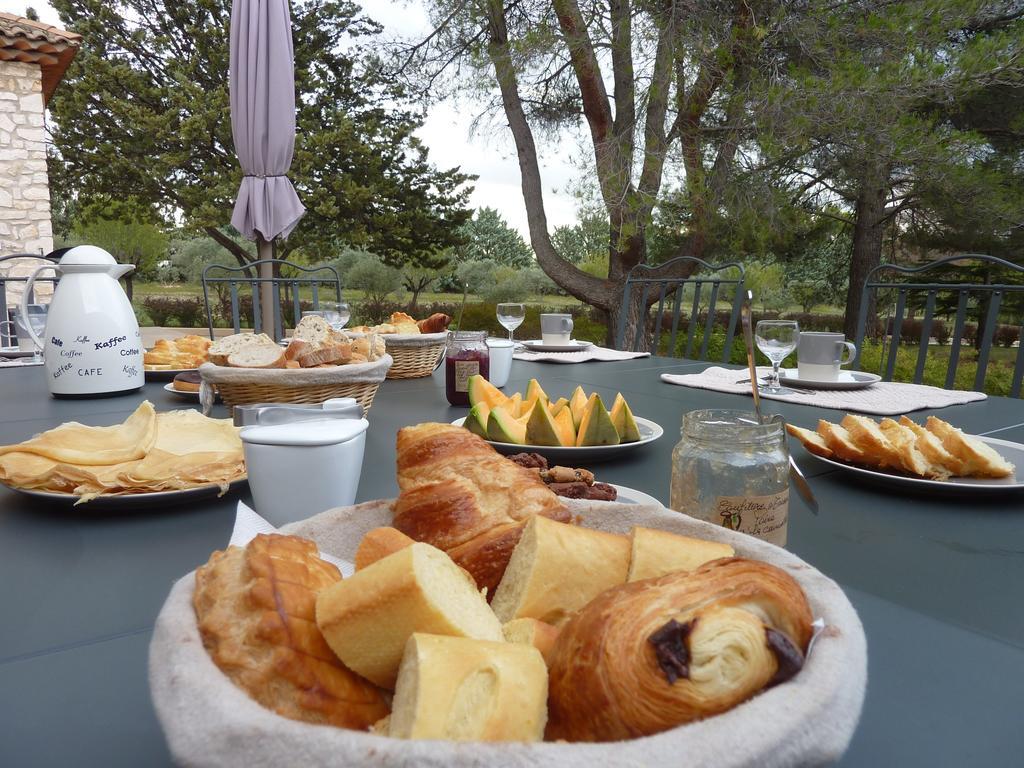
(265, 250)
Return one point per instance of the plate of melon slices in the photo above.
(576, 428)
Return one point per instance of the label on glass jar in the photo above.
(463, 370)
(762, 516)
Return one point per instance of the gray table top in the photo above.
(931, 576)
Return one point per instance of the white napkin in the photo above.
(248, 524)
(602, 354)
(885, 398)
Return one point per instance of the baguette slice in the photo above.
(905, 441)
(222, 348)
(330, 354)
(368, 618)
(313, 330)
(870, 439)
(981, 460)
(842, 444)
(654, 553)
(295, 348)
(556, 569)
(812, 441)
(258, 356)
(469, 690)
(378, 544)
(933, 449)
(539, 634)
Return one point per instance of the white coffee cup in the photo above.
(819, 355)
(304, 467)
(555, 329)
(500, 352)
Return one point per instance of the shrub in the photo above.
(187, 311)
(1005, 335)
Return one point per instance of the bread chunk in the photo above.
(981, 460)
(933, 449)
(812, 441)
(378, 544)
(872, 441)
(556, 569)
(655, 553)
(913, 460)
(539, 634)
(469, 690)
(368, 618)
(842, 444)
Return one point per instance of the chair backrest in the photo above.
(655, 284)
(216, 275)
(986, 297)
(14, 271)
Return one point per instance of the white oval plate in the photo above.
(633, 496)
(130, 500)
(649, 432)
(1012, 452)
(538, 345)
(847, 380)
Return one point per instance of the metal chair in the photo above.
(992, 293)
(673, 288)
(241, 275)
(7, 263)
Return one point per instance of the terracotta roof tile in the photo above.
(33, 42)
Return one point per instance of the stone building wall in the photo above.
(24, 189)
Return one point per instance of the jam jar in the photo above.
(465, 355)
(731, 469)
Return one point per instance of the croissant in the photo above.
(651, 655)
(462, 496)
(255, 611)
(436, 323)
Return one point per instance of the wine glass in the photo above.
(37, 319)
(336, 313)
(776, 339)
(511, 316)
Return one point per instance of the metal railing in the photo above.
(673, 288)
(991, 294)
(330, 277)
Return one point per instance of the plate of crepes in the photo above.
(146, 459)
(901, 451)
(523, 630)
(169, 357)
(577, 428)
(401, 324)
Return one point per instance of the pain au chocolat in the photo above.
(255, 609)
(654, 654)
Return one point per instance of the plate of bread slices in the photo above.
(901, 451)
(169, 357)
(483, 620)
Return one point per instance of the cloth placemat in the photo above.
(886, 398)
(600, 354)
(807, 721)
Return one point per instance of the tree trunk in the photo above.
(128, 285)
(868, 231)
(635, 335)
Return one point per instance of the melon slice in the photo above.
(557, 406)
(480, 390)
(476, 421)
(541, 429)
(624, 421)
(534, 391)
(577, 404)
(503, 427)
(566, 429)
(514, 404)
(596, 427)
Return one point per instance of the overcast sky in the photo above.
(447, 133)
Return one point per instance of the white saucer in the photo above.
(538, 345)
(846, 380)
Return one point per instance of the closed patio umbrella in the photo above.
(262, 85)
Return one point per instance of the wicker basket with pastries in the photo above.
(416, 346)
(617, 623)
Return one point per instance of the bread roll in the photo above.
(654, 553)
(469, 690)
(539, 634)
(368, 618)
(378, 544)
(556, 569)
(651, 655)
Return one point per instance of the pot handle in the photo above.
(24, 303)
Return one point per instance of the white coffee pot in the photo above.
(92, 344)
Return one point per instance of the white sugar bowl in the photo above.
(303, 468)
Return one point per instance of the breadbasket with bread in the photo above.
(804, 718)
(317, 364)
(415, 346)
